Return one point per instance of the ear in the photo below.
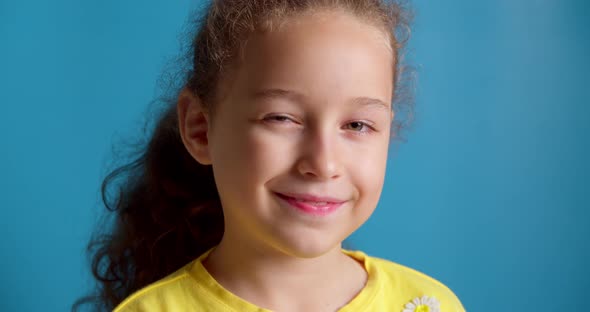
(193, 124)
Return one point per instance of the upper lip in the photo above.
(311, 197)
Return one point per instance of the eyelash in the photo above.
(274, 118)
(364, 125)
(283, 118)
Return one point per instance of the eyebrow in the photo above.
(298, 97)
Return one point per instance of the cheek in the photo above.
(369, 173)
(250, 157)
(268, 154)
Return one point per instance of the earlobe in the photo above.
(193, 125)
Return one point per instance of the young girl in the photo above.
(272, 154)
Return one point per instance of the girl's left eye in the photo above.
(359, 126)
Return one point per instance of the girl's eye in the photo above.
(278, 118)
(356, 126)
(359, 126)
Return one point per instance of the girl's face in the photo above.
(306, 114)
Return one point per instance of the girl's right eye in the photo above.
(278, 118)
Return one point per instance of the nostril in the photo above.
(318, 164)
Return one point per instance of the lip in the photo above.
(310, 197)
(308, 203)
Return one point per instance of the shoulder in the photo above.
(167, 294)
(412, 286)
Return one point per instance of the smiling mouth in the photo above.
(312, 205)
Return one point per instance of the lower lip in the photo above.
(307, 208)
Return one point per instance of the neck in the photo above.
(273, 279)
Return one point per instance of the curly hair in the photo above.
(165, 206)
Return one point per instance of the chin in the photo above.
(307, 248)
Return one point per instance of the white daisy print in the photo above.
(422, 304)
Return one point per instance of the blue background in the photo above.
(489, 194)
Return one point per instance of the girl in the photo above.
(272, 154)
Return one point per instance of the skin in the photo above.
(307, 110)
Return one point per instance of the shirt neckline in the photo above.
(363, 299)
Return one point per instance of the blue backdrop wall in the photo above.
(489, 194)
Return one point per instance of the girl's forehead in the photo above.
(317, 55)
(308, 24)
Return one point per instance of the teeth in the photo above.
(314, 203)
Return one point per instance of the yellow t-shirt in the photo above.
(390, 287)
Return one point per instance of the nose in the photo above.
(319, 156)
